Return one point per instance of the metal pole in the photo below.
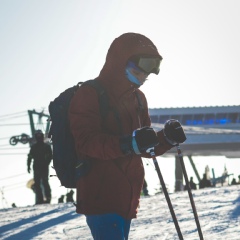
(178, 175)
(194, 168)
(189, 192)
(30, 114)
(151, 151)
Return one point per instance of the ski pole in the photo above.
(189, 192)
(152, 153)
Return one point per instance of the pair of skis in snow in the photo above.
(151, 151)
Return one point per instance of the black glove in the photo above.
(29, 169)
(173, 132)
(141, 140)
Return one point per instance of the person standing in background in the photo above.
(41, 153)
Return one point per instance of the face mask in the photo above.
(132, 78)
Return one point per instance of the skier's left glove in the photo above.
(29, 169)
(173, 132)
(141, 140)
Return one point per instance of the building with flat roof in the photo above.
(209, 130)
(214, 117)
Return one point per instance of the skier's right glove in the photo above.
(173, 132)
(141, 140)
(29, 169)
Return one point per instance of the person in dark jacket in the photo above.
(204, 182)
(69, 196)
(145, 188)
(61, 199)
(41, 153)
(234, 182)
(109, 194)
(192, 184)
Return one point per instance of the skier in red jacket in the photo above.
(109, 194)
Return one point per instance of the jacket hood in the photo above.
(121, 49)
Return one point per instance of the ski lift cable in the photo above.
(7, 138)
(8, 118)
(13, 124)
(13, 185)
(25, 112)
(13, 153)
(3, 138)
(6, 115)
(5, 145)
(14, 148)
(13, 176)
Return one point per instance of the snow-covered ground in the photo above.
(218, 211)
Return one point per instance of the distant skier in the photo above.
(234, 182)
(192, 184)
(205, 182)
(69, 196)
(238, 179)
(61, 199)
(41, 153)
(145, 188)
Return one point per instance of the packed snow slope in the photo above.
(218, 211)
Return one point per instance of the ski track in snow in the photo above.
(218, 210)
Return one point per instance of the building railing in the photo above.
(200, 119)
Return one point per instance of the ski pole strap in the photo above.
(189, 192)
(134, 143)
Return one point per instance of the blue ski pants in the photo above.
(108, 226)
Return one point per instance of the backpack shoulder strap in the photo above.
(103, 101)
(102, 96)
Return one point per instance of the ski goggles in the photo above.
(131, 64)
(147, 64)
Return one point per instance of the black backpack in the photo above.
(65, 161)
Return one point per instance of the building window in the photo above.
(154, 118)
(209, 119)
(163, 118)
(222, 118)
(177, 117)
(198, 119)
(233, 118)
(187, 119)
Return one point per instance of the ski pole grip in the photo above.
(151, 152)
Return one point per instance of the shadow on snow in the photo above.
(236, 212)
(32, 231)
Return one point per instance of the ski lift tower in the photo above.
(24, 138)
(40, 115)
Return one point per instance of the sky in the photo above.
(218, 212)
(49, 45)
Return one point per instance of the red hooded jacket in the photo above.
(115, 180)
